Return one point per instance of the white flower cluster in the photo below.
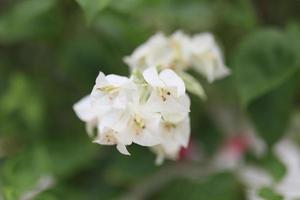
(151, 110)
(151, 107)
(180, 52)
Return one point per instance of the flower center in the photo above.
(109, 138)
(108, 89)
(164, 93)
(139, 123)
(169, 125)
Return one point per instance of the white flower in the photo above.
(180, 52)
(149, 109)
(174, 136)
(155, 52)
(135, 124)
(112, 91)
(168, 96)
(207, 57)
(161, 51)
(111, 137)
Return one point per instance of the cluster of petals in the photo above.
(150, 109)
(181, 52)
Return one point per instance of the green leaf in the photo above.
(130, 170)
(22, 101)
(264, 60)
(274, 166)
(217, 187)
(192, 85)
(270, 113)
(268, 194)
(24, 19)
(58, 160)
(91, 8)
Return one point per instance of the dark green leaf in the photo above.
(218, 187)
(91, 8)
(271, 112)
(263, 61)
(274, 166)
(23, 19)
(269, 194)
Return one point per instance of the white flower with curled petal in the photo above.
(174, 136)
(161, 51)
(112, 91)
(166, 151)
(135, 124)
(207, 57)
(181, 47)
(156, 51)
(168, 95)
(110, 137)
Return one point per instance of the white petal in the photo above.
(146, 138)
(116, 79)
(90, 127)
(122, 149)
(151, 77)
(101, 79)
(173, 109)
(116, 120)
(171, 79)
(184, 130)
(84, 109)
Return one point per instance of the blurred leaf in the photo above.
(274, 166)
(269, 194)
(271, 112)
(128, 170)
(192, 85)
(23, 172)
(91, 8)
(80, 152)
(217, 187)
(23, 19)
(264, 60)
(23, 98)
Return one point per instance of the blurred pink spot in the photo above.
(190, 153)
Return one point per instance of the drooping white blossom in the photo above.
(174, 137)
(168, 94)
(181, 52)
(161, 51)
(207, 57)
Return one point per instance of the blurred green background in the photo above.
(51, 52)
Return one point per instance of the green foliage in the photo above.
(263, 61)
(218, 187)
(22, 101)
(264, 69)
(274, 166)
(271, 112)
(92, 8)
(24, 19)
(269, 194)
